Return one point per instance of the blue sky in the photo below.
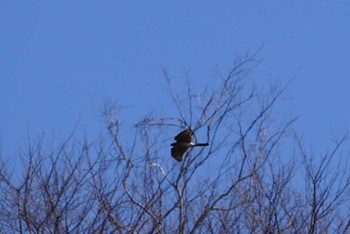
(60, 59)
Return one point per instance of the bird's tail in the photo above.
(200, 144)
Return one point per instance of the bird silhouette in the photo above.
(183, 143)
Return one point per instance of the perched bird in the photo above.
(183, 143)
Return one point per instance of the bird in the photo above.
(183, 143)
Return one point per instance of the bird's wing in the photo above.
(178, 152)
(184, 136)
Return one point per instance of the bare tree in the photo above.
(126, 181)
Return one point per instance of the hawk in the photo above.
(183, 143)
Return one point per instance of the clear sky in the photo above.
(60, 59)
